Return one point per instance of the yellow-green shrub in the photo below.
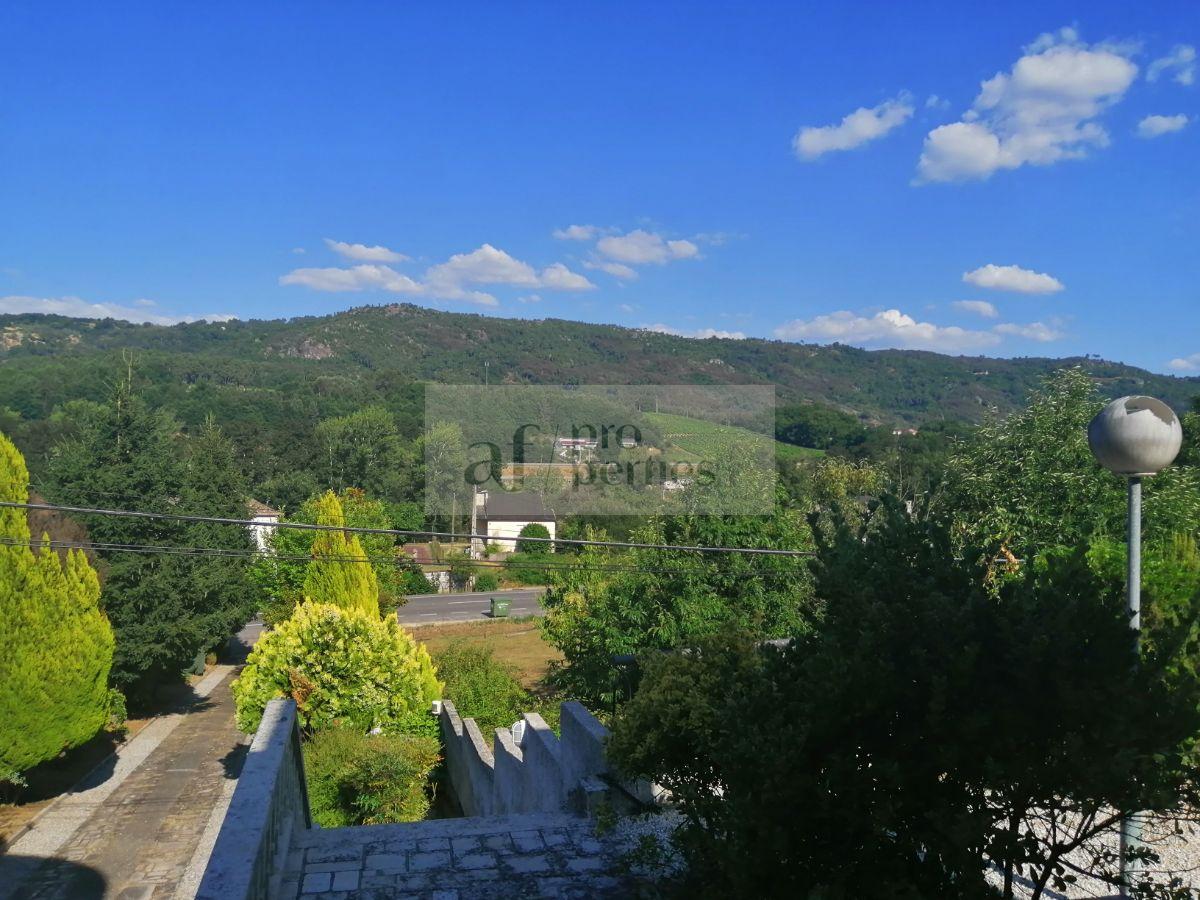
(57, 644)
(341, 667)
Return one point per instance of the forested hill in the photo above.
(47, 359)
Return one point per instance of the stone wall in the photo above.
(529, 771)
(267, 812)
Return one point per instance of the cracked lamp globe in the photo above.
(1135, 436)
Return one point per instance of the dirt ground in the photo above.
(517, 642)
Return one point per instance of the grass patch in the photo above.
(517, 643)
(696, 439)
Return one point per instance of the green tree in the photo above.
(340, 573)
(611, 602)
(901, 745)
(445, 458)
(365, 450)
(534, 530)
(814, 425)
(1029, 481)
(341, 666)
(58, 645)
(165, 607)
(281, 575)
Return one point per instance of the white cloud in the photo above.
(1186, 363)
(580, 232)
(616, 269)
(1181, 60)
(299, 251)
(640, 247)
(1034, 331)
(82, 309)
(363, 253)
(491, 265)
(557, 277)
(889, 328)
(977, 307)
(933, 101)
(1153, 126)
(626, 307)
(445, 281)
(1041, 112)
(530, 298)
(485, 265)
(859, 127)
(699, 334)
(381, 278)
(1013, 278)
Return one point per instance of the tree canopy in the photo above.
(57, 644)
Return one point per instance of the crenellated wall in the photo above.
(532, 771)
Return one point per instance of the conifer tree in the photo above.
(57, 644)
(336, 575)
(166, 608)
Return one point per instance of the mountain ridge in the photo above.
(419, 344)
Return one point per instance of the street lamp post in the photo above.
(1134, 437)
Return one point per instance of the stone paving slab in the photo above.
(537, 855)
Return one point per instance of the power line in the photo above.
(169, 550)
(399, 532)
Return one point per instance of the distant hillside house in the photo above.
(263, 518)
(502, 516)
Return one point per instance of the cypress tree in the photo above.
(57, 644)
(335, 575)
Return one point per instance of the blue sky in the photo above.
(1004, 179)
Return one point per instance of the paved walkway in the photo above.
(141, 826)
(537, 855)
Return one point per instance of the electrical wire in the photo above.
(398, 560)
(399, 532)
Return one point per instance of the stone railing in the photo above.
(269, 806)
(529, 769)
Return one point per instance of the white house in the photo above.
(263, 517)
(501, 516)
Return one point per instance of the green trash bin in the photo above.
(500, 607)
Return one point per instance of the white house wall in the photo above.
(504, 534)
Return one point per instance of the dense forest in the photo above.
(378, 349)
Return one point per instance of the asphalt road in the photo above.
(425, 609)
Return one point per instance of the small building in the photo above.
(436, 572)
(262, 517)
(501, 516)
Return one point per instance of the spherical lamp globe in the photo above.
(1135, 436)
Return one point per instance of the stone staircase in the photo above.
(529, 855)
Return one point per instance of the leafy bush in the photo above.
(481, 686)
(341, 667)
(534, 530)
(57, 644)
(486, 581)
(606, 603)
(896, 748)
(368, 779)
(529, 568)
